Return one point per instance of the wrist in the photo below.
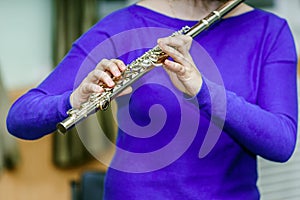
(71, 100)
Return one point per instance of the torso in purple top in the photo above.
(171, 146)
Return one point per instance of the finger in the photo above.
(97, 76)
(175, 67)
(110, 65)
(109, 74)
(175, 54)
(180, 42)
(120, 64)
(89, 88)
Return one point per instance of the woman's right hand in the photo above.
(103, 73)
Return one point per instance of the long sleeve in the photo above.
(37, 112)
(268, 127)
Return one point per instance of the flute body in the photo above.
(139, 67)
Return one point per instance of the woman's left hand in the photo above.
(182, 71)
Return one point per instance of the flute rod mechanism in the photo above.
(138, 68)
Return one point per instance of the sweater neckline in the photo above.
(149, 13)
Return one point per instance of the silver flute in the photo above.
(139, 67)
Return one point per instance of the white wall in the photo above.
(25, 41)
(290, 10)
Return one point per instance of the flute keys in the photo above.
(94, 96)
(126, 80)
(72, 112)
(104, 103)
(116, 87)
(146, 63)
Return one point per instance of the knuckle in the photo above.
(116, 60)
(92, 75)
(180, 41)
(111, 65)
(105, 77)
(164, 39)
(119, 62)
(101, 64)
(186, 38)
(104, 60)
(84, 88)
(181, 59)
(101, 74)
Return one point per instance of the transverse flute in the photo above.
(138, 68)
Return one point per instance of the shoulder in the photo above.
(276, 37)
(116, 22)
(125, 18)
(258, 31)
(244, 9)
(272, 24)
(269, 17)
(257, 21)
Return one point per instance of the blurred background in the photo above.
(34, 37)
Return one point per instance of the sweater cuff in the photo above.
(64, 105)
(202, 98)
(211, 98)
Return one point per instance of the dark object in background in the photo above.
(261, 3)
(89, 187)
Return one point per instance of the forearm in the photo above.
(36, 114)
(271, 135)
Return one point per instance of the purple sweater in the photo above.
(252, 55)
